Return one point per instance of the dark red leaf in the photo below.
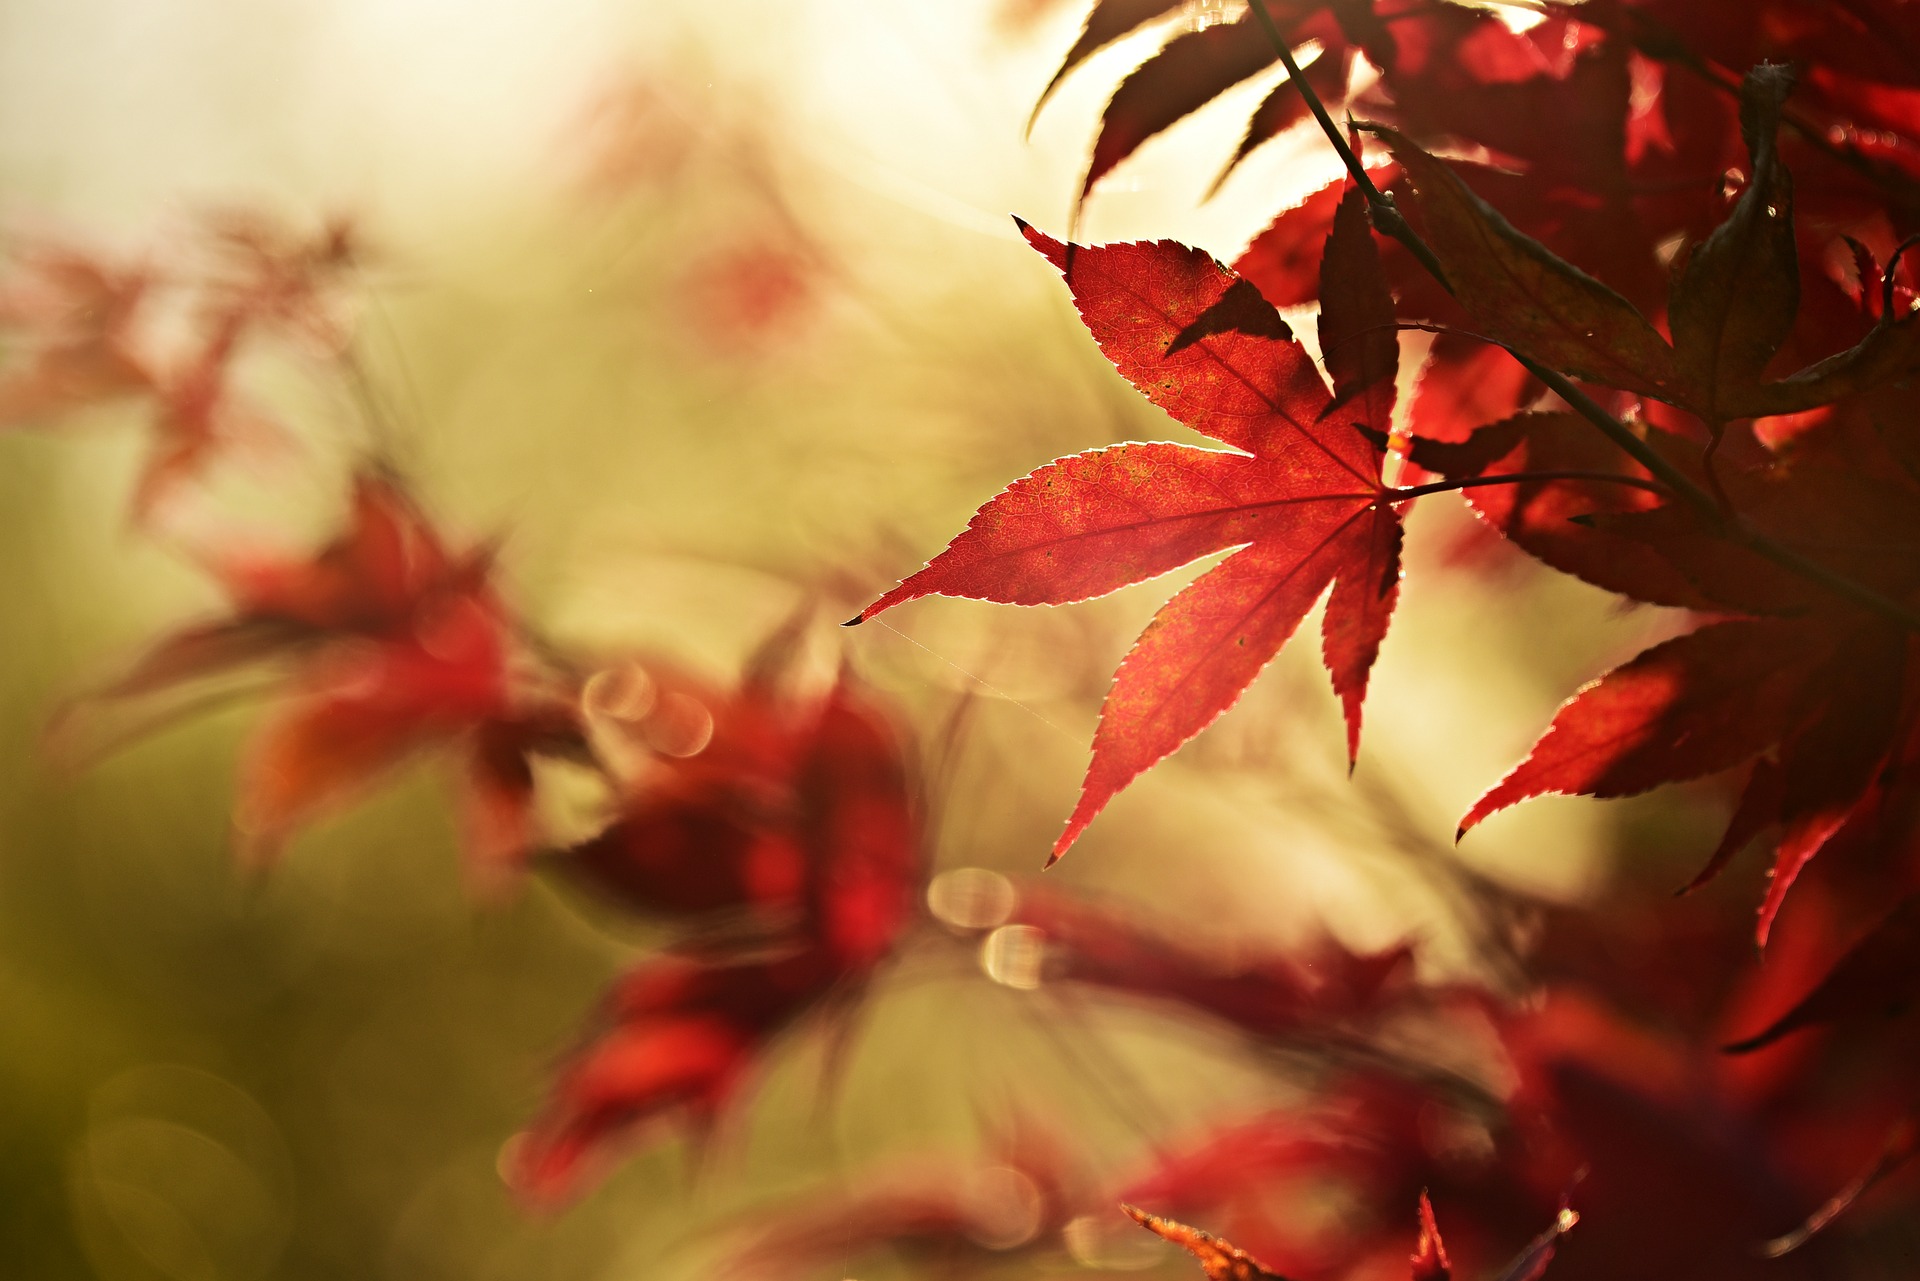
(1109, 20)
(1568, 524)
(1735, 298)
(1285, 107)
(1827, 768)
(1879, 975)
(1359, 342)
(1192, 69)
(1700, 703)
(1759, 809)
(1521, 294)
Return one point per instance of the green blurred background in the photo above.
(700, 309)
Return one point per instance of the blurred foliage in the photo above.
(701, 315)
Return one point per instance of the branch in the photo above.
(1525, 478)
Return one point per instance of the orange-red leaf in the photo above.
(1306, 508)
(1220, 1260)
(1430, 1253)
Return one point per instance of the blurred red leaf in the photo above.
(798, 812)
(1265, 996)
(677, 1035)
(1902, 1143)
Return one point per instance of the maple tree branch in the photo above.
(1523, 478)
(1386, 217)
(1781, 555)
(1812, 570)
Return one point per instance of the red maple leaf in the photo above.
(1808, 683)
(1266, 995)
(1304, 503)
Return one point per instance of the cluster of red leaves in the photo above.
(783, 829)
(786, 834)
(90, 331)
(1726, 432)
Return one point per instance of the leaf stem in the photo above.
(1524, 478)
(1859, 593)
(1621, 434)
(1388, 220)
